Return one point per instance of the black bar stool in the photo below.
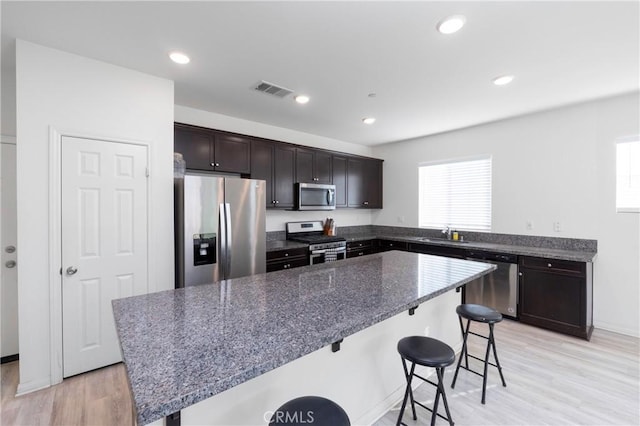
(486, 315)
(310, 410)
(428, 352)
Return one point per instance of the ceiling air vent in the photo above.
(272, 89)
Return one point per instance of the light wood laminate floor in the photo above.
(551, 379)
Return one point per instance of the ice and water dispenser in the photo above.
(204, 249)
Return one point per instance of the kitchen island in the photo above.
(193, 349)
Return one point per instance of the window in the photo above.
(628, 175)
(456, 193)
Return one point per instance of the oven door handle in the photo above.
(318, 251)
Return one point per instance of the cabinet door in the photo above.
(355, 183)
(283, 174)
(339, 179)
(195, 147)
(304, 166)
(373, 183)
(322, 166)
(553, 300)
(232, 153)
(262, 167)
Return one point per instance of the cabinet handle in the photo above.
(361, 253)
(277, 202)
(286, 255)
(217, 164)
(273, 202)
(549, 265)
(213, 164)
(366, 203)
(520, 274)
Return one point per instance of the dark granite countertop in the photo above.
(575, 255)
(551, 253)
(275, 245)
(182, 346)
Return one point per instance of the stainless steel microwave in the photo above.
(315, 196)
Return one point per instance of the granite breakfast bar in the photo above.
(228, 352)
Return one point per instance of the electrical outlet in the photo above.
(529, 225)
(556, 226)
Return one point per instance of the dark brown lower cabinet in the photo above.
(287, 259)
(361, 248)
(557, 294)
(387, 245)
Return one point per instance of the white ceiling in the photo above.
(338, 52)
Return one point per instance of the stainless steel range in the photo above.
(322, 248)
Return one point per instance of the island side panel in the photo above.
(365, 377)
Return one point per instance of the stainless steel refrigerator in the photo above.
(219, 228)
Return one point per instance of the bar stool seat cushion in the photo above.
(479, 313)
(426, 351)
(307, 410)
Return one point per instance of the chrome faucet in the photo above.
(447, 232)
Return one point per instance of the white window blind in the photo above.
(628, 175)
(456, 193)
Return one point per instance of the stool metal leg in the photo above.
(440, 373)
(463, 353)
(495, 354)
(408, 392)
(486, 365)
(434, 411)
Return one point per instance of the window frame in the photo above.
(634, 139)
(487, 157)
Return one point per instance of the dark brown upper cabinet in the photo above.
(207, 150)
(232, 153)
(313, 166)
(339, 171)
(275, 163)
(194, 145)
(364, 183)
(358, 180)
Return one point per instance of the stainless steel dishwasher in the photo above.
(497, 290)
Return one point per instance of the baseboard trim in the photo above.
(9, 358)
(632, 332)
(32, 386)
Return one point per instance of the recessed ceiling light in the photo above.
(368, 120)
(301, 99)
(451, 24)
(179, 58)
(502, 80)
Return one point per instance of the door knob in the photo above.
(10, 264)
(71, 270)
(10, 249)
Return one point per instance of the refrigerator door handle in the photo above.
(222, 256)
(229, 240)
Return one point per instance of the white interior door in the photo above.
(9, 277)
(104, 245)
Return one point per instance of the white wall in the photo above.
(86, 97)
(277, 219)
(557, 165)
